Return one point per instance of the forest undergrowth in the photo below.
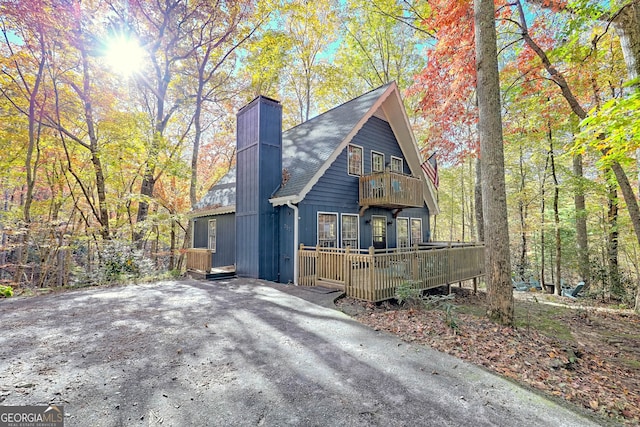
(588, 356)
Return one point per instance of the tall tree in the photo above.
(311, 28)
(25, 38)
(172, 32)
(498, 266)
(558, 78)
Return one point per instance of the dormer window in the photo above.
(354, 160)
(397, 164)
(377, 162)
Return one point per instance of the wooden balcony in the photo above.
(373, 275)
(390, 190)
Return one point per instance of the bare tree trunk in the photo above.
(173, 245)
(472, 228)
(523, 223)
(612, 240)
(478, 200)
(556, 214)
(542, 221)
(498, 265)
(581, 221)
(627, 25)
(463, 201)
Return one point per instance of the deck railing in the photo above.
(199, 259)
(391, 190)
(374, 275)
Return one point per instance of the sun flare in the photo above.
(124, 55)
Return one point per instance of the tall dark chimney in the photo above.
(259, 172)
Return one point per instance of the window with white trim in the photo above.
(328, 230)
(397, 164)
(350, 231)
(354, 160)
(416, 231)
(377, 162)
(212, 235)
(402, 232)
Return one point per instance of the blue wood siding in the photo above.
(225, 238)
(337, 191)
(336, 186)
(287, 245)
(259, 172)
(309, 225)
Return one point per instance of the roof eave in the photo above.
(283, 200)
(221, 210)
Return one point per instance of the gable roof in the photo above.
(307, 147)
(310, 148)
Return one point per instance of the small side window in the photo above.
(212, 235)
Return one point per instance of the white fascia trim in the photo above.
(215, 211)
(281, 201)
(406, 139)
(346, 141)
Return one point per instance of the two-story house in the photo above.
(349, 180)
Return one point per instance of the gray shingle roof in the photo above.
(305, 148)
(221, 194)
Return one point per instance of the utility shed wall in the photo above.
(225, 253)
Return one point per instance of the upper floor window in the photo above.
(354, 160)
(396, 164)
(377, 162)
(327, 230)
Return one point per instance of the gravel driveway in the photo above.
(238, 353)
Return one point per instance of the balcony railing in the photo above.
(390, 190)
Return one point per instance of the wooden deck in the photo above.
(374, 275)
(368, 274)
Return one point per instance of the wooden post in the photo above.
(475, 285)
(347, 270)
(371, 283)
(316, 272)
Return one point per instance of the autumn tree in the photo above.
(494, 208)
(175, 35)
(310, 28)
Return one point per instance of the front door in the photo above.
(379, 232)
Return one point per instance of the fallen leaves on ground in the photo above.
(586, 371)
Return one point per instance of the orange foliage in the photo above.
(448, 81)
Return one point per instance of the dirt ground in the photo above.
(242, 353)
(589, 356)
